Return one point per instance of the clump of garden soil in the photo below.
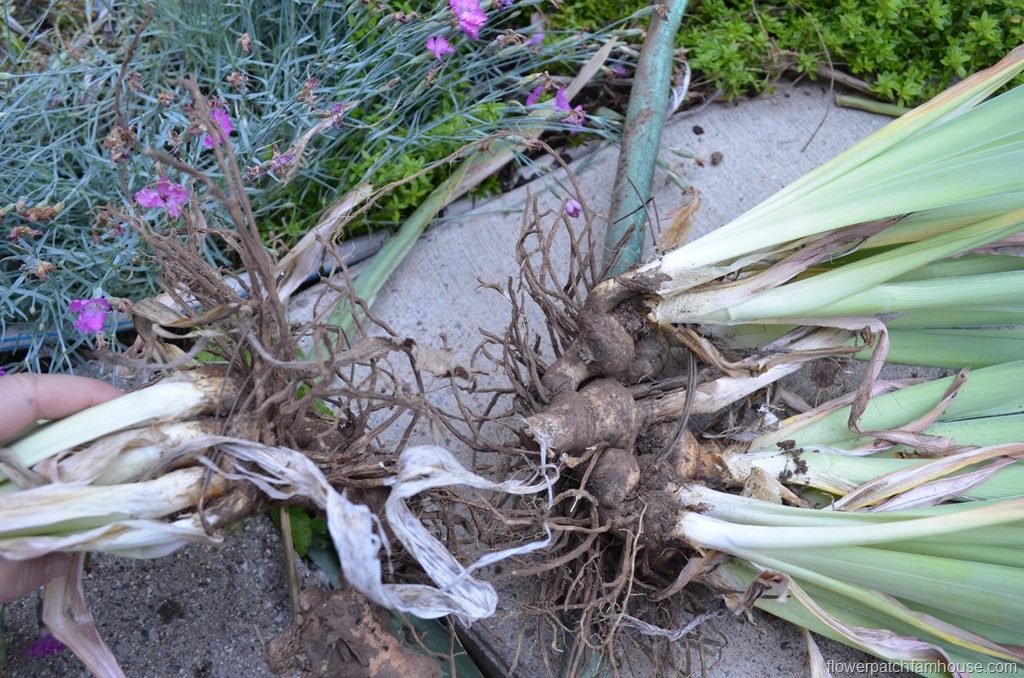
(343, 634)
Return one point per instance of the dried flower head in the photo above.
(306, 94)
(252, 172)
(280, 162)
(245, 42)
(40, 212)
(510, 37)
(576, 119)
(133, 81)
(43, 269)
(23, 232)
(617, 71)
(174, 142)
(165, 98)
(120, 142)
(237, 80)
(108, 222)
(338, 110)
(576, 116)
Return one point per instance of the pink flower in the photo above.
(44, 646)
(438, 46)
(224, 126)
(165, 195)
(573, 208)
(575, 120)
(534, 96)
(92, 313)
(562, 101)
(576, 117)
(471, 17)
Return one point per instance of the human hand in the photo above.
(24, 399)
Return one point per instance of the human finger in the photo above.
(26, 398)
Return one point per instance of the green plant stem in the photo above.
(870, 105)
(384, 263)
(645, 118)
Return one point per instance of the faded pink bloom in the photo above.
(92, 313)
(44, 646)
(223, 122)
(562, 101)
(573, 208)
(438, 46)
(576, 117)
(281, 161)
(471, 17)
(575, 120)
(338, 113)
(618, 70)
(534, 96)
(164, 195)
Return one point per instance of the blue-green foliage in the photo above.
(402, 111)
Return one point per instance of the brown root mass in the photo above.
(609, 393)
(606, 560)
(580, 392)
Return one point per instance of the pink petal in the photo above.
(534, 96)
(471, 17)
(91, 321)
(562, 101)
(174, 208)
(92, 313)
(438, 46)
(147, 197)
(44, 646)
(173, 195)
(573, 208)
(576, 119)
(221, 119)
